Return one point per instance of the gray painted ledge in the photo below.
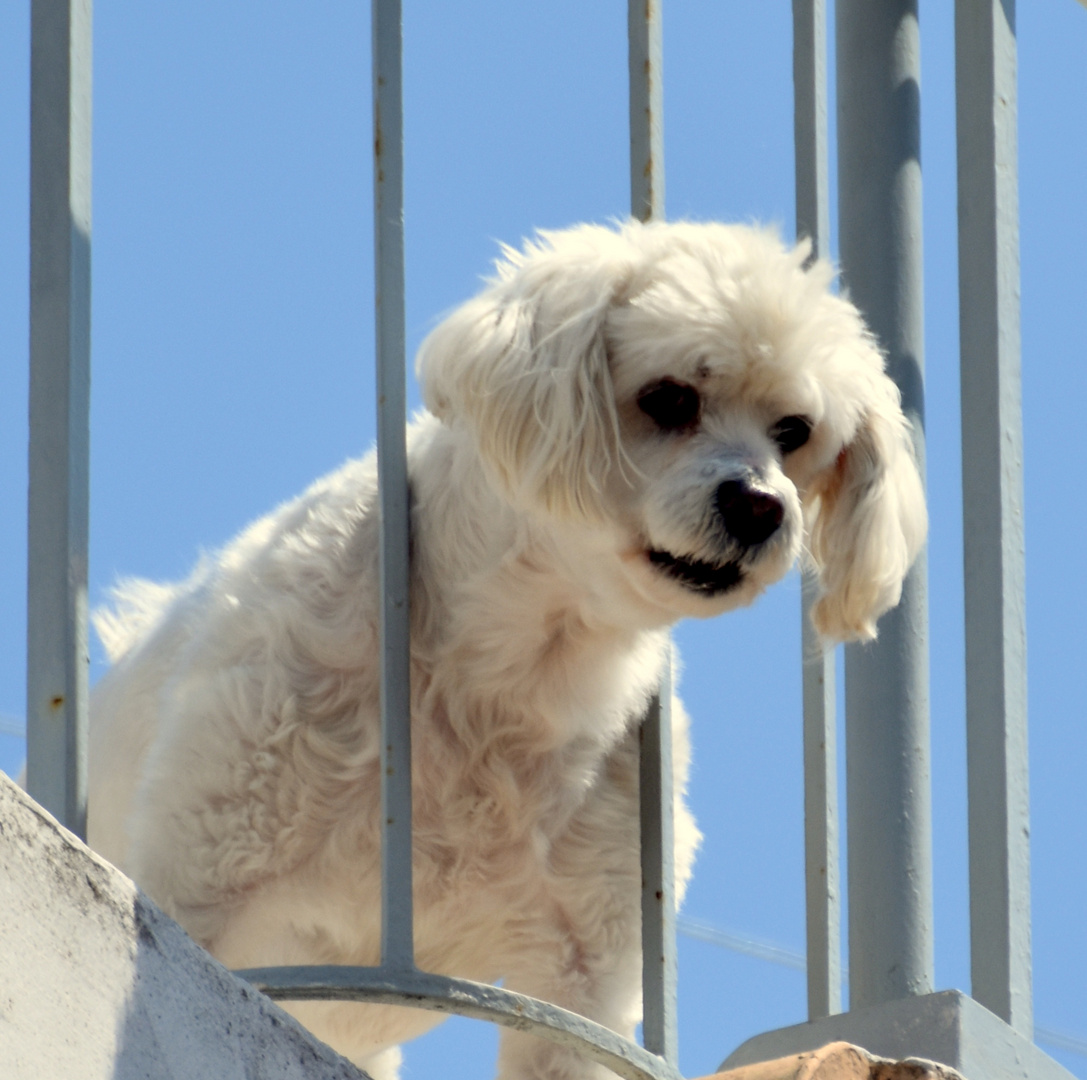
(97, 983)
(948, 1027)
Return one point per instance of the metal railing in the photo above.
(890, 921)
(888, 789)
(397, 980)
(57, 647)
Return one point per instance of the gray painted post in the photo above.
(645, 59)
(60, 318)
(821, 870)
(887, 724)
(992, 459)
(659, 1033)
(397, 941)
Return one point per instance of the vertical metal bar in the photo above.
(658, 876)
(60, 314)
(823, 899)
(810, 123)
(821, 845)
(646, 109)
(992, 461)
(656, 799)
(887, 721)
(397, 939)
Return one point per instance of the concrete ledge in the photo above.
(948, 1027)
(97, 983)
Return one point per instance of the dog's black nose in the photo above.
(750, 512)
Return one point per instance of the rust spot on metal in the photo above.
(58, 701)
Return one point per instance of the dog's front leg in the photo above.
(577, 943)
(606, 989)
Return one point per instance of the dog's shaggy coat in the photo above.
(626, 427)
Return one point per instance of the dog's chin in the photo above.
(706, 579)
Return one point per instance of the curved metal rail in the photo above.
(463, 997)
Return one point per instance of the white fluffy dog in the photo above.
(626, 426)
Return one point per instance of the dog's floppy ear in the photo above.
(524, 366)
(869, 522)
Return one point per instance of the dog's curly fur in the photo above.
(626, 426)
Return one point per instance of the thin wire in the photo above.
(761, 950)
(13, 726)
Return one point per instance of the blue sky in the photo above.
(233, 344)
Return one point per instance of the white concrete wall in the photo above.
(97, 984)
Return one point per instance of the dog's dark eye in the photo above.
(791, 433)
(672, 406)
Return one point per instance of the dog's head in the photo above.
(700, 396)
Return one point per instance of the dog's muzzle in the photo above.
(750, 513)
